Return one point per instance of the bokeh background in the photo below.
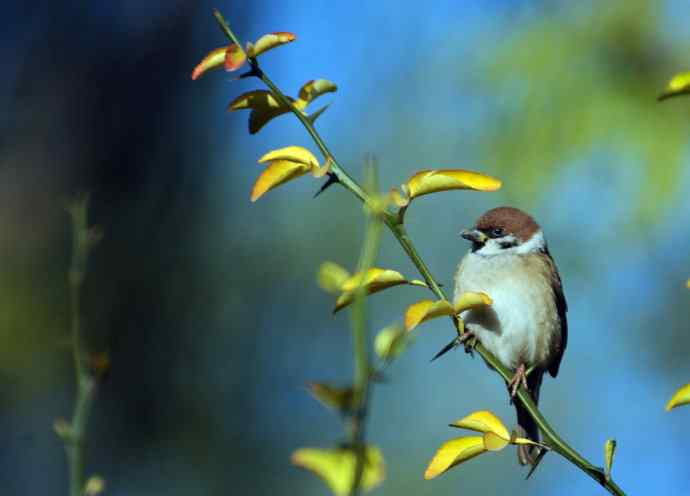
(208, 304)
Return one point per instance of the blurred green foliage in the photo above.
(581, 81)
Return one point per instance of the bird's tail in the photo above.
(527, 455)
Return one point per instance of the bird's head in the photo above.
(505, 230)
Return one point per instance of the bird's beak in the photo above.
(474, 235)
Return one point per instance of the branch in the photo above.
(360, 338)
(396, 226)
(74, 433)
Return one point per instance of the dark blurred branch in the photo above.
(74, 433)
(397, 227)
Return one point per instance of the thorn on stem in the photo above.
(537, 461)
(250, 73)
(446, 349)
(332, 179)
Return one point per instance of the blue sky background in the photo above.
(208, 303)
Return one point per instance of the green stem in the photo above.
(555, 442)
(74, 437)
(360, 338)
(339, 172)
(400, 234)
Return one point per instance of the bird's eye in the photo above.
(496, 232)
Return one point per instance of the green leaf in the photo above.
(390, 342)
(94, 486)
(609, 453)
(312, 90)
(332, 276)
(332, 397)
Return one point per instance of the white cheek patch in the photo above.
(498, 246)
(536, 243)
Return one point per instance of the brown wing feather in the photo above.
(562, 308)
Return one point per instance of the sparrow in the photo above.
(525, 327)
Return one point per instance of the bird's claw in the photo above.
(519, 379)
(468, 339)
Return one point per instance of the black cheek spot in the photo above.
(507, 244)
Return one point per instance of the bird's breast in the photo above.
(521, 324)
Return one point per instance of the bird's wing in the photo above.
(562, 308)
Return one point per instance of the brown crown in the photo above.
(511, 220)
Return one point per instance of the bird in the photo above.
(525, 327)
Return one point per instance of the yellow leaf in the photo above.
(426, 310)
(344, 300)
(524, 441)
(332, 276)
(390, 342)
(234, 57)
(374, 277)
(264, 107)
(292, 153)
(257, 99)
(258, 118)
(62, 428)
(277, 173)
(268, 42)
(399, 198)
(332, 397)
(454, 452)
(94, 486)
(609, 453)
(678, 85)
(337, 467)
(681, 397)
(214, 60)
(373, 281)
(323, 170)
(468, 301)
(483, 421)
(432, 181)
(687, 284)
(312, 90)
(494, 442)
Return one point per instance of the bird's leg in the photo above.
(465, 336)
(469, 340)
(520, 378)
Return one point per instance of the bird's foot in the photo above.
(469, 340)
(520, 378)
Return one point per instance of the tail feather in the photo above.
(527, 455)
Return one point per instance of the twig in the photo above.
(74, 433)
(396, 226)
